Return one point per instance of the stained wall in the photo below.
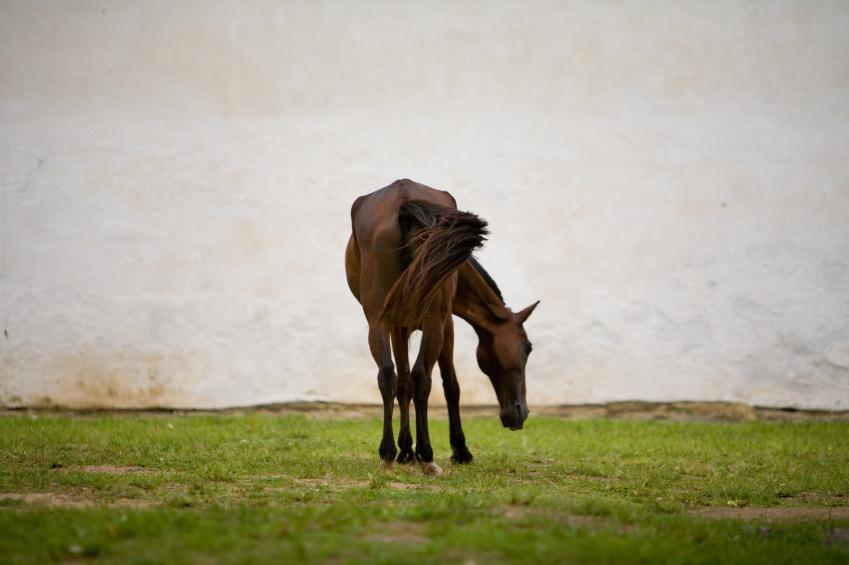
(669, 178)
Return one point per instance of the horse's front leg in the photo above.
(400, 347)
(387, 382)
(460, 453)
(429, 350)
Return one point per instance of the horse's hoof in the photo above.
(432, 469)
(386, 465)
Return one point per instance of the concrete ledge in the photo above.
(631, 410)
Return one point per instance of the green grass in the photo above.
(262, 487)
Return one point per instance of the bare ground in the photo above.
(513, 512)
(400, 532)
(630, 410)
(107, 469)
(775, 513)
(71, 500)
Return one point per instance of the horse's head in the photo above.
(502, 356)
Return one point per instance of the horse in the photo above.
(409, 263)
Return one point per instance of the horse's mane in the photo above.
(444, 239)
(487, 278)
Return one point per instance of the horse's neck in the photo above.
(476, 302)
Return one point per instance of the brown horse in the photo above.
(409, 264)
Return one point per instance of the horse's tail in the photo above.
(445, 239)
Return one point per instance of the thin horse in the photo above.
(409, 263)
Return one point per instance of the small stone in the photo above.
(432, 469)
(75, 549)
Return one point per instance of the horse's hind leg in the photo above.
(460, 453)
(405, 392)
(387, 382)
(428, 353)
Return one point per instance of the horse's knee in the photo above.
(451, 389)
(420, 379)
(421, 385)
(387, 381)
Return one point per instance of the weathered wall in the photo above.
(670, 178)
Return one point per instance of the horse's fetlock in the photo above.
(460, 454)
(387, 449)
(424, 453)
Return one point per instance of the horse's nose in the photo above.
(521, 413)
(513, 415)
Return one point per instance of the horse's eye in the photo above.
(528, 348)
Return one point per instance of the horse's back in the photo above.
(372, 259)
(378, 211)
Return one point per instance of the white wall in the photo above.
(670, 178)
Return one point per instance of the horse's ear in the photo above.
(526, 313)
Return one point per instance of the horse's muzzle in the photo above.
(513, 415)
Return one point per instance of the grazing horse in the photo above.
(409, 263)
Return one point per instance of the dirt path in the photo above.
(673, 411)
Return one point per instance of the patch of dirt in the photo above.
(325, 410)
(401, 486)
(676, 411)
(47, 499)
(108, 469)
(593, 478)
(775, 513)
(356, 414)
(333, 484)
(131, 503)
(839, 535)
(64, 500)
(400, 532)
(336, 484)
(837, 499)
(519, 513)
(410, 486)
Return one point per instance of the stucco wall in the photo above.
(669, 178)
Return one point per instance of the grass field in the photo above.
(254, 487)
